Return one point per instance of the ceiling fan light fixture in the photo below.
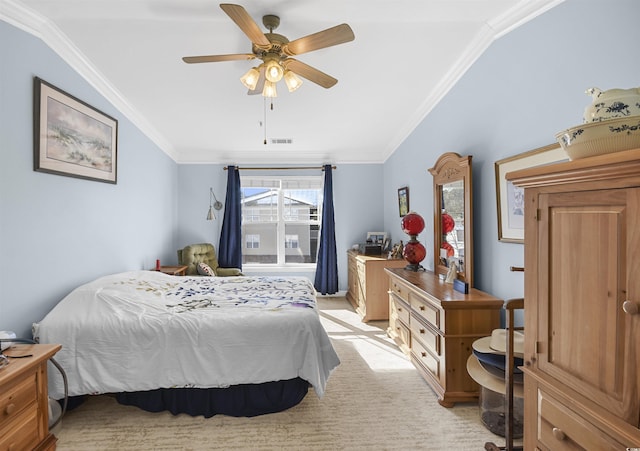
(274, 71)
(292, 80)
(250, 79)
(269, 89)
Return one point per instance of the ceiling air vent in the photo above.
(281, 141)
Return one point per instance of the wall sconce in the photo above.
(213, 205)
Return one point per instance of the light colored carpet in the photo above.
(375, 400)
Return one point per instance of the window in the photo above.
(291, 242)
(253, 241)
(281, 220)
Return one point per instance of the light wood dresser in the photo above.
(368, 284)
(24, 403)
(436, 326)
(582, 303)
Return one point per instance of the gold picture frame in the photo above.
(510, 199)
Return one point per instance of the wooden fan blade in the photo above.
(310, 73)
(249, 27)
(322, 39)
(217, 58)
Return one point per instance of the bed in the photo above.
(239, 346)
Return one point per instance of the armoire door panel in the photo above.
(584, 279)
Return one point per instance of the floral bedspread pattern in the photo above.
(143, 330)
(243, 292)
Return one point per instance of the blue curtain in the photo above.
(230, 246)
(327, 266)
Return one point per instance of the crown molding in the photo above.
(523, 12)
(24, 18)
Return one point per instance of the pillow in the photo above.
(205, 270)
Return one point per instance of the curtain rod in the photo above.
(279, 169)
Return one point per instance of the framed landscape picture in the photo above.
(71, 137)
(510, 198)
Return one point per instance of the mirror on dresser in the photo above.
(453, 219)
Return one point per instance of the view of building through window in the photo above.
(281, 219)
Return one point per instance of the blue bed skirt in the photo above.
(246, 400)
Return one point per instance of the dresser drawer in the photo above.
(362, 272)
(402, 332)
(398, 308)
(427, 336)
(562, 429)
(428, 312)
(399, 289)
(21, 431)
(16, 398)
(426, 359)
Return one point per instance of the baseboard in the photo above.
(339, 294)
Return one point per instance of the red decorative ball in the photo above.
(450, 250)
(447, 223)
(412, 223)
(414, 252)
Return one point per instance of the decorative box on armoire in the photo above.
(582, 303)
(368, 284)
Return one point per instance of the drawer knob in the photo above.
(630, 307)
(558, 434)
(10, 409)
(422, 308)
(424, 354)
(421, 331)
(399, 309)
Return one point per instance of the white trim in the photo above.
(524, 11)
(28, 20)
(264, 268)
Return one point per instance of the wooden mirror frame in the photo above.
(450, 168)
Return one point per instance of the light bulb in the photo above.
(250, 79)
(269, 89)
(274, 71)
(292, 80)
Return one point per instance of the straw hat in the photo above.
(487, 364)
(497, 343)
(497, 384)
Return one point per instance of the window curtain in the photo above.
(230, 246)
(327, 266)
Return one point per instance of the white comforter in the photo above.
(144, 330)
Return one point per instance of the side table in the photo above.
(24, 404)
(180, 270)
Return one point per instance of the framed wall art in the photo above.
(510, 198)
(71, 137)
(403, 200)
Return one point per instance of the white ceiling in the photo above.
(405, 57)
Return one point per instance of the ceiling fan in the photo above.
(276, 51)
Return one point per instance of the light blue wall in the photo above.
(59, 232)
(525, 88)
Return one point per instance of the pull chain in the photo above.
(265, 119)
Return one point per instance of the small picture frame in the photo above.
(403, 200)
(510, 198)
(377, 237)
